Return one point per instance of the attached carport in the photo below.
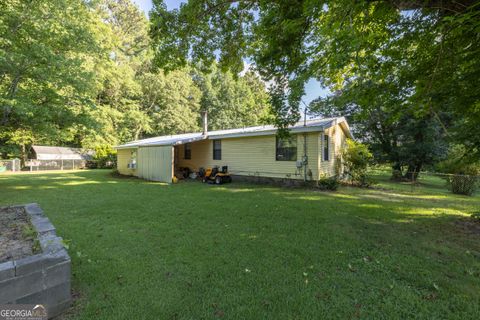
(155, 156)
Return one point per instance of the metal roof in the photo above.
(59, 153)
(310, 126)
(165, 140)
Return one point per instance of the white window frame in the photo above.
(327, 153)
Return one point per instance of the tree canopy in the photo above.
(45, 78)
(98, 73)
(387, 60)
(80, 73)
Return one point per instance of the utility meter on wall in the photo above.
(299, 164)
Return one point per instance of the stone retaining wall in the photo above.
(42, 278)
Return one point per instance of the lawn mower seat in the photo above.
(213, 173)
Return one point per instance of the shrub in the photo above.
(328, 183)
(356, 158)
(105, 157)
(476, 216)
(464, 177)
(462, 184)
(458, 162)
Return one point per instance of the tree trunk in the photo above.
(7, 109)
(23, 155)
(396, 172)
(413, 171)
(137, 133)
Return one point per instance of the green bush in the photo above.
(356, 159)
(463, 184)
(105, 158)
(458, 162)
(464, 178)
(476, 216)
(328, 183)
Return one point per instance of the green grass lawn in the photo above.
(144, 250)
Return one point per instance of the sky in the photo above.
(312, 87)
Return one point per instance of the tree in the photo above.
(45, 78)
(120, 111)
(395, 134)
(420, 144)
(426, 50)
(231, 101)
(79, 73)
(171, 101)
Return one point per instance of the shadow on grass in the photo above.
(191, 249)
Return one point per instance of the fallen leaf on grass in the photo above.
(431, 296)
(322, 296)
(219, 313)
(367, 259)
(358, 307)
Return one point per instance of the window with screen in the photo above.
(187, 154)
(326, 147)
(217, 150)
(286, 149)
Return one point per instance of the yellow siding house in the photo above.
(313, 150)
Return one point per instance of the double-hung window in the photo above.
(286, 149)
(217, 150)
(326, 147)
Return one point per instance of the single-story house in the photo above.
(311, 151)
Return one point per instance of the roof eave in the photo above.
(266, 133)
(125, 147)
(158, 144)
(300, 129)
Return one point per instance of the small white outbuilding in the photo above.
(59, 153)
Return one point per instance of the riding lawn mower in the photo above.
(214, 175)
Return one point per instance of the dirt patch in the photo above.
(17, 235)
(469, 226)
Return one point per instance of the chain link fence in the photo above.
(44, 165)
(12, 165)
